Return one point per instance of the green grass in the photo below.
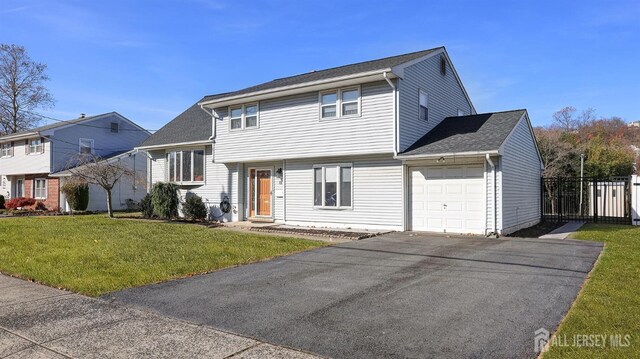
(609, 303)
(94, 255)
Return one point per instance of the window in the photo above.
(86, 146)
(7, 150)
(39, 188)
(35, 146)
(443, 65)
(424, 106)
(461, 112)
(115, 127)
(243, 117)
(340, 103)
(185, 166)
(329, 108)
(332, 186)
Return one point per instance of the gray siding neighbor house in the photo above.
(393, 143)
(33, 163)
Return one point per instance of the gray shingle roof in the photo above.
(194, 124)
(474, 133)
(334, 72)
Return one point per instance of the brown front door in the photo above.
(260, 193)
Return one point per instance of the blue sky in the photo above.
(150, 60)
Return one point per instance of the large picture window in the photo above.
(185, 166)
(332, 186)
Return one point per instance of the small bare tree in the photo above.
(21, 89)
(102, 172)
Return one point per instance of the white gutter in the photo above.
(171, 145)
(297, 87)
(395, 113)
(446, 154)
(495, 196)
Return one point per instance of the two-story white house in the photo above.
(393, 143)
(33, 162)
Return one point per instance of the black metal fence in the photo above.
(586, 199)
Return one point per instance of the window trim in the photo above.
(338, 167)
(339, 102)
(46, 188)
(80, 145)
(420, 93)
(41, 146)
(9, 149)
(243, 116)
(167, 166)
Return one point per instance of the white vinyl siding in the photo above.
(520, 180)
(376, 198)
(22, 163)
(446, 96)
(290, 128)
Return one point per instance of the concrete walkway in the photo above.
(564, 231)
(37, 321)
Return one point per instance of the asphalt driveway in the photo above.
(397, 295)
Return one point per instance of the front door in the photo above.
(19, 190)
(260, 193)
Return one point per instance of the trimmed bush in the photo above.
(40, 206)
(194, 208)
(164, 197)
(146, 206)
(19, 202)
(77, 195)
(1, 201)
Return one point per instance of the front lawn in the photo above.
(94, 255)
(609, 304)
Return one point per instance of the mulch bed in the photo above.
(538, 230)
(316, 232)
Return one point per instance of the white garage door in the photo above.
(448, 199)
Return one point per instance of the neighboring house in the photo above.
(30, 161)
(393, 143)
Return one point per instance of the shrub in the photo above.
(40, 206)
(1, 201)
(164, 197)
(146, 206)
(77, 195)
(194, 208)
(19, 202)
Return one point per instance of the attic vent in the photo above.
(443, 65)
(115, 127)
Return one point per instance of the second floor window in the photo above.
(7, 150)
(35, 146)
(424, 106)
(340, 103)
(243, 117)
(185, 166)
(86, 146)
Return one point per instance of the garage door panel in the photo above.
(448, 199)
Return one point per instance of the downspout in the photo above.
(495, 197)
(213, 122)
(395, 113)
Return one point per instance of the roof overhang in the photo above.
(173, 145)
(299, 88)
(21, 136)
(447, 155)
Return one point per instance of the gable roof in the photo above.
(334, 72)
(474, 133)
(60, 124)
(193, 125)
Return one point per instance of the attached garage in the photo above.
(448, 199)
(477, 174)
